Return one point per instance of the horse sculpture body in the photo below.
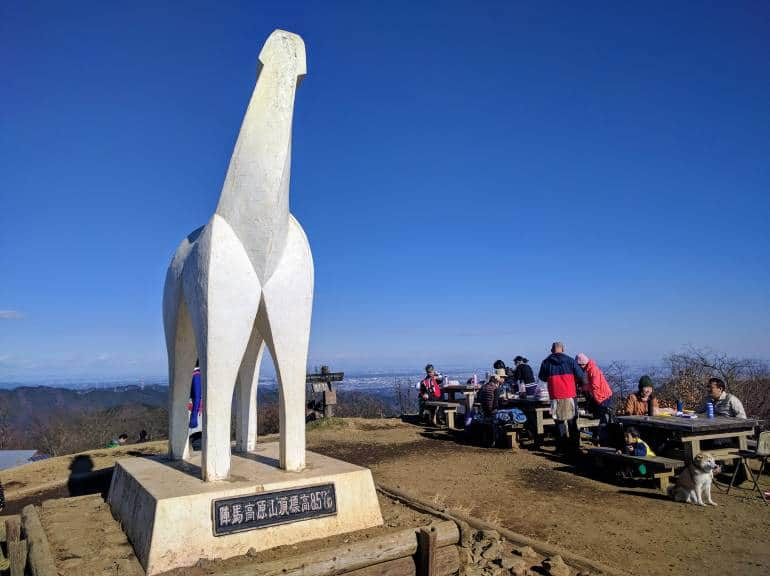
(243, 281)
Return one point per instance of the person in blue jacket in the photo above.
(195, 396)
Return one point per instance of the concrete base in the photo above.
(166, 509)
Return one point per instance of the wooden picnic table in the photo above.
(690, 432)
(538, 413)
(451, 392)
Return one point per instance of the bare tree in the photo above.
(617, 374)
(690, 370)
(5, 427)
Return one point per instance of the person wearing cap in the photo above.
(429, 387)
(637, 403)
(523, 375)
(489, 395)
(501, 369)
(597, 391)
(195, 405)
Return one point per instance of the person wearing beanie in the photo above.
(597, 390)
(636, 403)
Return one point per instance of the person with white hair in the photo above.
(597, 391)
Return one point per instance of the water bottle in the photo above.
(679, 406)
(475, 379)
(710, 410)
(650, 407)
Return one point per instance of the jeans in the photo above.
(603, 411)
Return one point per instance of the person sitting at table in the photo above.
(637, 403)
(725, 404)
(429, 387)
(489, 395)
(523, 377)
(634, 445)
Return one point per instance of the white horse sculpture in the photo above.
(244, 280)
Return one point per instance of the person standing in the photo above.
(196, 395)
(597, 391)
(523, 376)
(563, 375)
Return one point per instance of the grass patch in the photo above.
(326, 423)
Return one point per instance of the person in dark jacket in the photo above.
(489, 395)
(523, 376)
(563, 376)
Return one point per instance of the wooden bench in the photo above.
(450, 408)
(661, 469)
(512, 432)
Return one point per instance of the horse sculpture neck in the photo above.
(255, 196)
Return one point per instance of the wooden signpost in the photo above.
(323, 383)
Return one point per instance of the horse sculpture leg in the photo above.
(181, 362)
(223, 294)
(288, 297)
(246, 394)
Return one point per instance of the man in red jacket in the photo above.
(563, 376)
(597, 390)
(429, 387)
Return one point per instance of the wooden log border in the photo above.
(39, 558)
(542, 548)
(388, 555)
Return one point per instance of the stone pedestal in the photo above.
(173, 518)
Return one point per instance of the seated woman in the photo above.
(637, 403)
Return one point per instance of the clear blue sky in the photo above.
(476, 179)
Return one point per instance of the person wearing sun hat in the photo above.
(489, 395)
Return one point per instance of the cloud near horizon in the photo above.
(11, 315)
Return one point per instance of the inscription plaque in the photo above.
(254, 511)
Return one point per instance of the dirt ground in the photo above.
(45, 479)
(532, 493)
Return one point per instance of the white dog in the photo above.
(695, 481)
